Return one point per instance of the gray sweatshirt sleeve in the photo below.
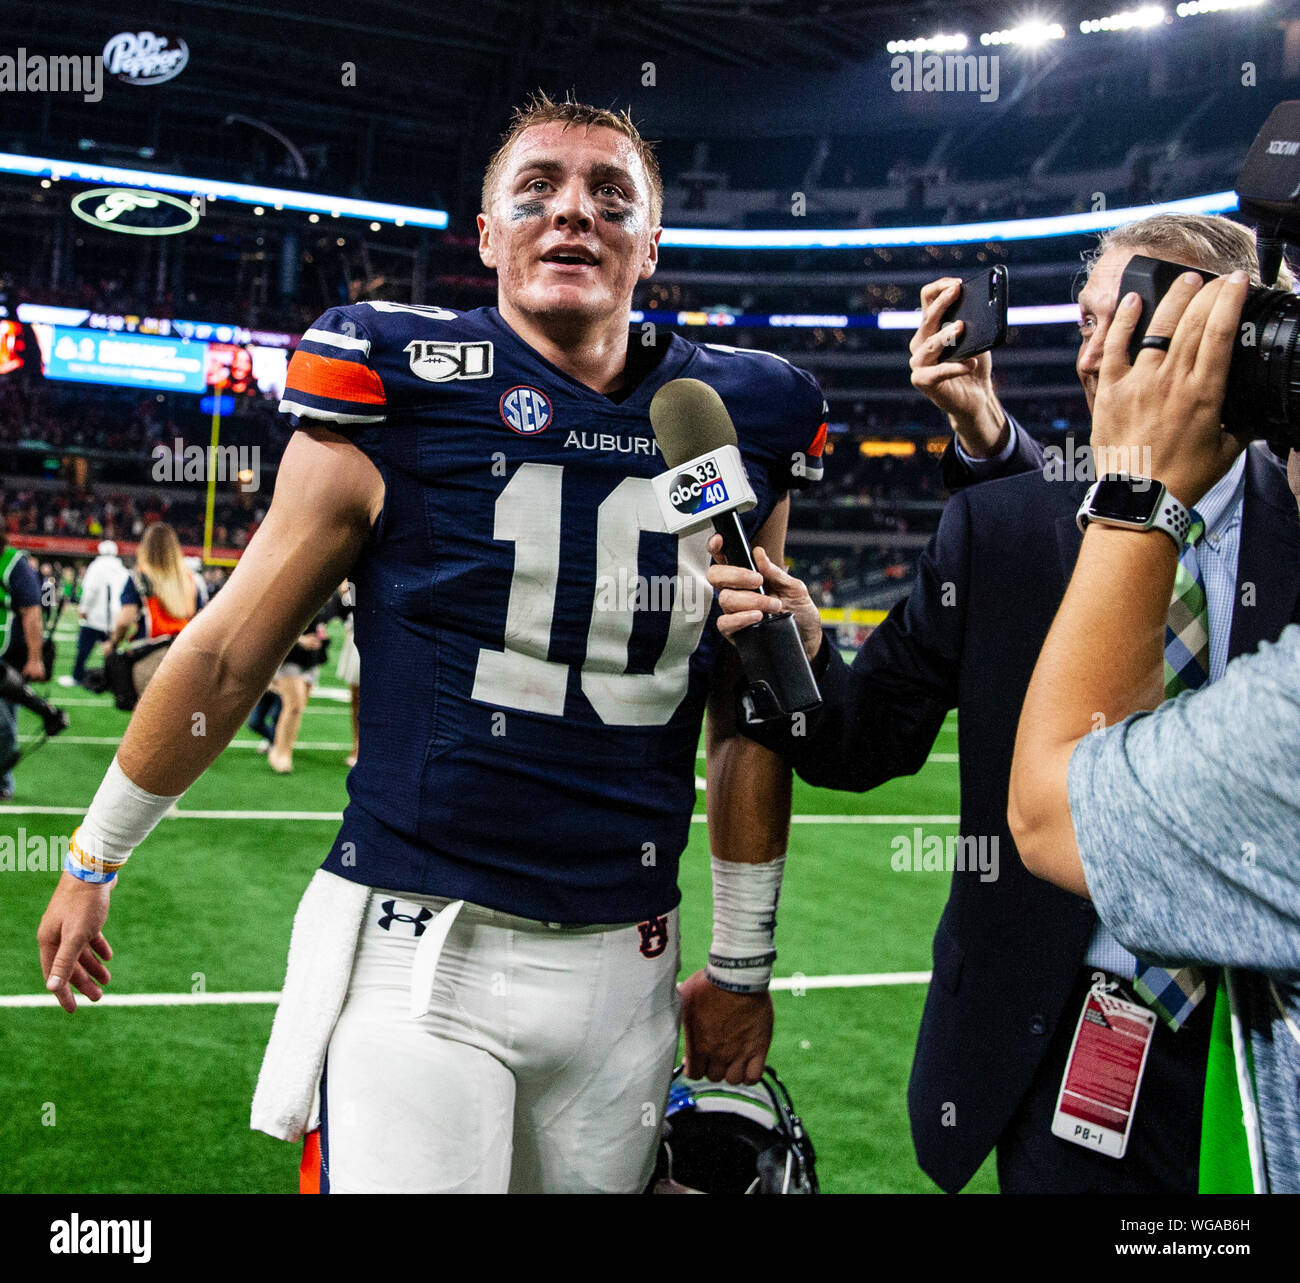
(1188, 819)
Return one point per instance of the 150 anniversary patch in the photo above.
(442, 362)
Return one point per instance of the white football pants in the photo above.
(539, 1060)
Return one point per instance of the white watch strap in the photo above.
(1171, 516)
(1174, 520)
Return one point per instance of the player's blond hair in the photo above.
(541, 109)
(160, 560)
(1205, 240)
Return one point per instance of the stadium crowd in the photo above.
(108, 514)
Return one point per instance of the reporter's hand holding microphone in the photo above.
(747, 595)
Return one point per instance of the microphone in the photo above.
(706, 483)
(691, 425)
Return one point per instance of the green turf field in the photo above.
(155, 1098)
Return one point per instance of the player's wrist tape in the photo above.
(121, 816)
(745, 897)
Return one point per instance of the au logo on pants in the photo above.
(654, 936)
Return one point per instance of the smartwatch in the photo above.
(1135, 503)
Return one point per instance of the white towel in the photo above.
(321, 950)
(427, 953)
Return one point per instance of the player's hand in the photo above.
(107, 648)
(1161, 417)
(71, 935)
(746, 596)
(727, 1034)
(963, 390)
(34, 669)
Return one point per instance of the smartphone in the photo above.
(1150, 279)
(982, 304)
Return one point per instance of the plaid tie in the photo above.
(1187, 629)
(1173, 995)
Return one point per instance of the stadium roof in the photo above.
(331, 96)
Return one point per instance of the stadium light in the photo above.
(1150, 15)
(924, 44)
(242, 193)
(679, 237)
(1030, 34)
(1034, 314)
(1004, 229)
(1194, 7)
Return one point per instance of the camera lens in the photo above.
(1263, 394)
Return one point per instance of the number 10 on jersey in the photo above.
(528, 514)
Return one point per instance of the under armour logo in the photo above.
(654, 936)
(390, 916)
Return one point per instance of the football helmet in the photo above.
(724, 1139)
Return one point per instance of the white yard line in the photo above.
(146, 999)
(334, 816)
(107, 704)
(934, 757)
(106, 740)
(863, 819)
(795, 983)
(784, 984)
(13, 808)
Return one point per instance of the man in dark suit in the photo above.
(1014, 958)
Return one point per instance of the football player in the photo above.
(482, 983)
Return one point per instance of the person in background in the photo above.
(101, 599)
(49, 592)
(195, 566)
(349, 669)
(293, 682)
(161, 597)
(213, 580)
(265, 717)
(20, 641)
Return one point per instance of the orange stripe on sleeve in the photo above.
(818, 442)
(339, 380)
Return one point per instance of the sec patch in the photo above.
(525, 410)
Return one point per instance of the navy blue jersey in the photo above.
(536, 650)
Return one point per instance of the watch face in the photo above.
(1120, 500)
